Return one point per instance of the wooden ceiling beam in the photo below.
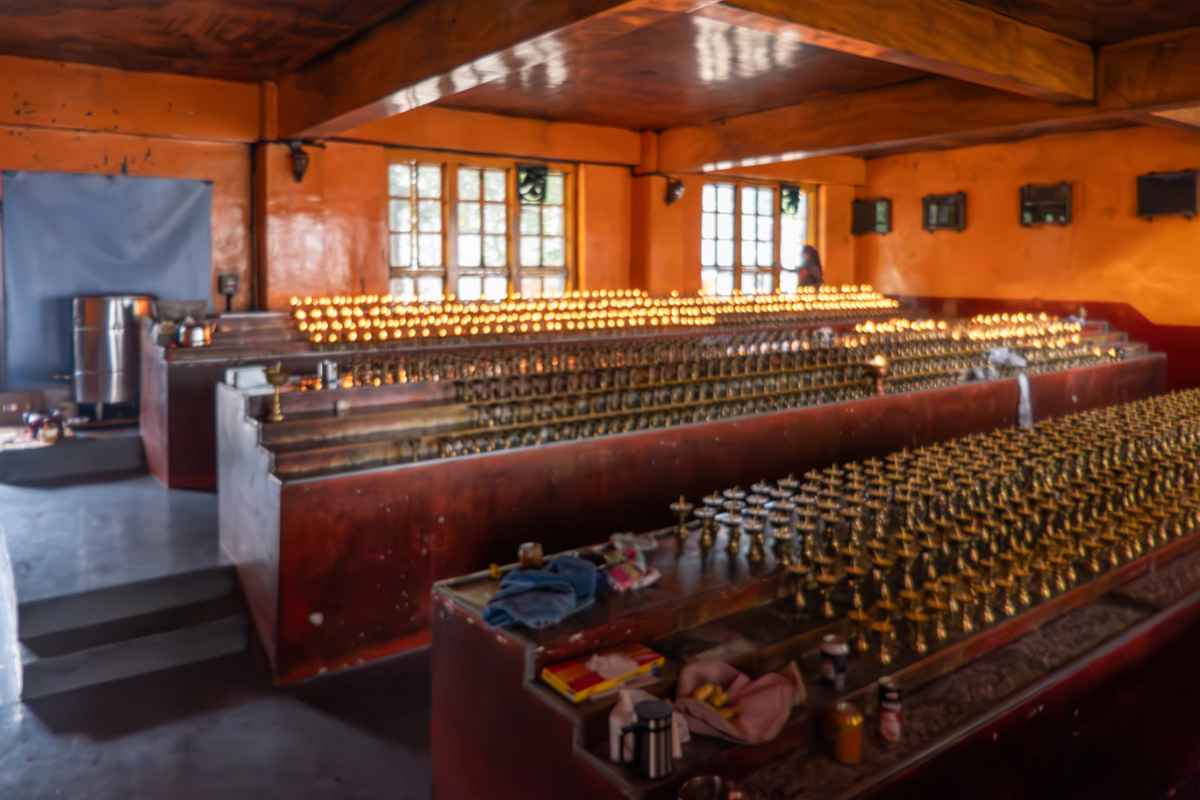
(927, 113)
(437, 48)
(1154, 74)
(835, 170)
(944, 37)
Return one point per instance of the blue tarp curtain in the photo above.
(67, 235)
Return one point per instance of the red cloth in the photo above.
(764, 704)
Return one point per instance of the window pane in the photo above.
(708, 226)
(554, 285)
(789, 281)
(724, 282)
(724, 254)
(725, 226)
(552, 219)
(766, 202)
(749, 250)
(766, 229)
(494, 251)
(531, 220)
(766, 283)
(766, 254)
(531, 252)
(725, 198)
(429, 180)
(429, 287)
(468, 217)
(401, 250)
(493, 185)
(468, 184)
(430, 215)
(554, 189)
(531, 287)
(404, 288)
(470, 288)
(400, 215)
(553, 251)
(708, 253)
(429, 246)
(399, 177)
(749, 199)
(708, 281)
(493, 218)
(748, 283)
(495, 287)
(708, 197)
(470, 250)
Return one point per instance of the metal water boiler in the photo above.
(107, 342)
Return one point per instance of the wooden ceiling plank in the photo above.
(1153, 73)
(944, 37)
(439, 48)
(912, 115)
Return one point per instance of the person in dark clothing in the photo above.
(811, 273)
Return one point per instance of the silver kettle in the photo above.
(191, 333)
(653, 740)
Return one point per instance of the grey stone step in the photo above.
(43, 676)
(38, 618)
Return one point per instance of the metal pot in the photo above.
(191, 333)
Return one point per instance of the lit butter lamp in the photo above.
(880, 366)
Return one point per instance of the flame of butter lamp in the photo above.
(277, 378)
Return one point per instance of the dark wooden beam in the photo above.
(1151, 74)
(437, 48)
(944, 37)
(929, 113)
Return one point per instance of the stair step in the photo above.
(73, 640)
(38, 618)
(43, 676)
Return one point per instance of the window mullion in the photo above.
(737, 237)
(450, 226)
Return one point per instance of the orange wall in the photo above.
(665, 239)
(327, 233)
(834, 241)
(226, 165)
(605, 204)
(1106, 254)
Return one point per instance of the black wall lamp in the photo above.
(300, 159)
(675, 190)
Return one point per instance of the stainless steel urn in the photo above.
(107, 342)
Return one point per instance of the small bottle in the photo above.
(891, 711)
(834, 653)
(847, 733)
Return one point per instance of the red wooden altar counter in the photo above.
(337, 569)
(1020, 678)
(178, 385)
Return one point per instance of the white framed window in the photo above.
(416, 239)
(718, 224)
(482, 222)
(542, 234)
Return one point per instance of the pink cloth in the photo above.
(764, 704)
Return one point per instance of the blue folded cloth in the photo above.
(540, 598)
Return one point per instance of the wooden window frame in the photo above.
(450, 162)
(416, 271)
(811, 194)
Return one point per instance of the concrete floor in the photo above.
(218, 730)
(68, 539)
(212, 730)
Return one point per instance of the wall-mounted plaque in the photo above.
(1046, 204)
(1161, 194)
(871, 216)
(944, 212)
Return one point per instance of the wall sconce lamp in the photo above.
(300, 159)
(674, 190)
